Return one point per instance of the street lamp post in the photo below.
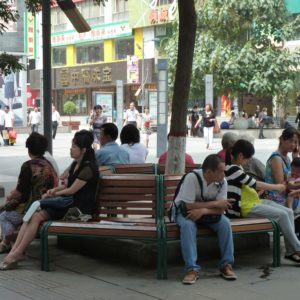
(143, 71)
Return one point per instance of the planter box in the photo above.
(73, 124)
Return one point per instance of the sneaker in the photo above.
(190, 277)
(227, 273)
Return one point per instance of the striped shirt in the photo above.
(236, 177)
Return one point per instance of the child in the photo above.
(294, 184)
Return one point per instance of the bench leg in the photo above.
(164, 256)
(44, 247)
(276, 245)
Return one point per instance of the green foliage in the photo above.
(69, 107)
(241, 44)
(9, 63)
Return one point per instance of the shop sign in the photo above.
(85, 76)
(97, 33)
(152, 13)
(30, 38)
(132, 69)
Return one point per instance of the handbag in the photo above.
(216, 126)
(12, 134)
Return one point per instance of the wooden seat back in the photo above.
(188, 168)
(147, 168)
(106, 170)
(127, 195)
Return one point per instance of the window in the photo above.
(124, 47)
(89, 53)
(94, 14)
(58, 20)
(120, 10)
(165, 2)
(80, 101)
(59, 56)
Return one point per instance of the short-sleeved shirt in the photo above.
(190, 191)
(132, 115)
(206, 117)
(111, 154)
(236, 178)
(35, 178)
(85, 199)
(137, 153)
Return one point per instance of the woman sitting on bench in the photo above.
(80, 192)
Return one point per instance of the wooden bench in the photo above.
(171, 231)
(146, 168)
(135, 196)
(160, 169)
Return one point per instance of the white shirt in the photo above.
(8, 119)
(2, 117)
(55, 116)
(190, 189)
(132, 115)
(35, 117)
(137, 153)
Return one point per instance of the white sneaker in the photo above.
(32, 209)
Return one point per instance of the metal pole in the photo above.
(143, 76)
(46, 25)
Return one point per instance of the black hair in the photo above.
(296, 162)
(241, 146)
(287, 134)
(129, 134)
(6, 106)
(37, 144)
(84, 139)
(97, 107)
(212, 162)
(111, 130)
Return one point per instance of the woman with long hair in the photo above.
(242, 188)
(80, 192)
(208, 120)
(278, 165)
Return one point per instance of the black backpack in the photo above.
(206, 219)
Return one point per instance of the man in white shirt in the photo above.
(8, 118)
(2, 119)
(34, 119)
(55, 121)
(203, 196)
(131, 115)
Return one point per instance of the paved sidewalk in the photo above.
(74, 276)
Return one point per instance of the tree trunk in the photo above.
(186, 43)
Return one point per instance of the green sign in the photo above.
(293, 6)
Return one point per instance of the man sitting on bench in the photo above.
(202, 198)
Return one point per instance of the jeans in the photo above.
(285, 218)
(35, 127)
(188, 239)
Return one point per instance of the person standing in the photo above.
(132, 115)
(146, 125)
(2, 119)
(208, 118)
(256, 115)
(261, 122)
(298, 120)
(193, 118)
(55, 121)
(96, 121)
(34, 119)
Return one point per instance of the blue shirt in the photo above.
(111, 154)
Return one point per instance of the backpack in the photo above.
(206, 219)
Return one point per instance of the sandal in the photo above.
(8, 266)
(4, 248)
(293, 257)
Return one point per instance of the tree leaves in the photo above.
(241, 44)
